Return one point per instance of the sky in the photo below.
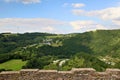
(58, 16)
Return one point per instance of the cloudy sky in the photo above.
(58, 16)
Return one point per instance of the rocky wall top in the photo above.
(74, 74)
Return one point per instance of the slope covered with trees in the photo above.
(98, 49)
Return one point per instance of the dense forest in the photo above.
(95, 49)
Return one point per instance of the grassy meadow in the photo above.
(15, 64)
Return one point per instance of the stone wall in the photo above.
(74, 74)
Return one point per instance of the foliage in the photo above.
(82, 49)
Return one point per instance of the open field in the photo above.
(15, 64)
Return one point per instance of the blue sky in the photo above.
(58, 16)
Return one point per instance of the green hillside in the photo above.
(97, 49)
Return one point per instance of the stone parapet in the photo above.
(74, 74)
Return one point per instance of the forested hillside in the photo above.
(97, 49)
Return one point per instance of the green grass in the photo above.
(15, 64)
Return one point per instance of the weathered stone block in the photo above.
(82, 73)
(28, 74)
(47, 75)
(114, 73)
(65, 75)
(9, 75)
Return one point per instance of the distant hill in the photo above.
(99, 49)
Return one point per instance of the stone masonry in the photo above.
(74, 74)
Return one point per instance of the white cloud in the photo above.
(30, 25)
(22, 25)
(116, 22)
(27, 22)
(86, 25)
(65, 4)
(78, 12)
(105, 14)
(24, 1)
(73, 5)
(80, 24)
(49, 28)
(111, 14)
(78, 5)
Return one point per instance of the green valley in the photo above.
(96, 49)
